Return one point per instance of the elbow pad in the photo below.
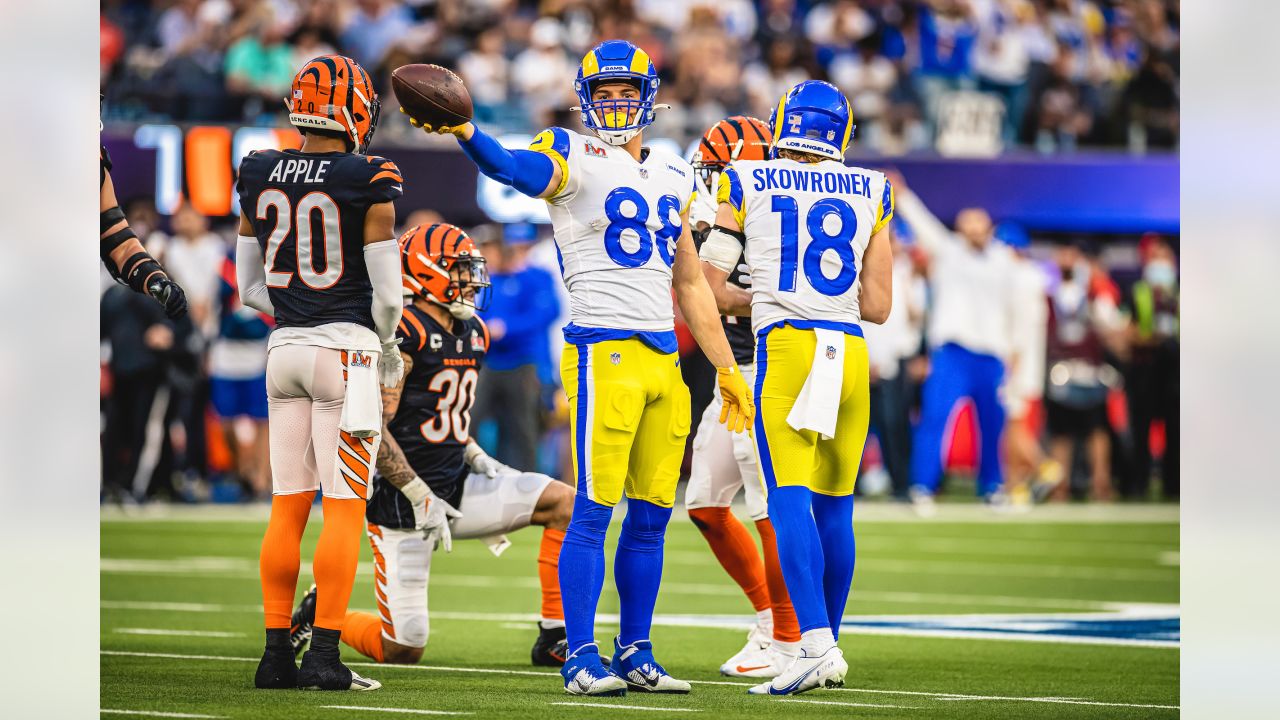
(527, 171)
(722, 248)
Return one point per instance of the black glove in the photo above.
(169, 294)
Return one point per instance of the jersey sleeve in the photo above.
(105, 159)
(412, 335)
(248, 180)
(385, 183)
(557, 144)
(884, 213)
(730, 191)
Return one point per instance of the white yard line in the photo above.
(178, 633)
(407, 711)
(611, 706)
(496, 671)
(846, 704)
(156, 713)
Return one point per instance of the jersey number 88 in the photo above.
(820, 241)
(637, 223)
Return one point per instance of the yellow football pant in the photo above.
(629, 417)
(800, 457)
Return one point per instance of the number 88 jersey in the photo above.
(807, 226)
(433, 421)
(617, 222)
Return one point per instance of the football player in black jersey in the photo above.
(429, 465)
(123, 254)
(317, 251)
(724, 463)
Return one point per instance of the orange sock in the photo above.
(337, 553)
(279, 558)
(785, 626)
(363, 631)
(735, 550)
(549, 573)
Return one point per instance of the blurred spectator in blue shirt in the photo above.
(522, 307)
(373, 27)
(948, 35)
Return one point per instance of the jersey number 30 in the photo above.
(453, 409)
(637, 222)
(286, 221)
(820, 241)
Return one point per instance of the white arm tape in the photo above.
(416, 491)
(721, 249)
(251, 275)
(383, 262)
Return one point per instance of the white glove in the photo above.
(431, 515)
(480, 461)
(391, 365)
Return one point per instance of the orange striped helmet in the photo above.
(735, 138)
(333, 93)
(440, 263)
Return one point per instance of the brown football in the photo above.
(432, 94)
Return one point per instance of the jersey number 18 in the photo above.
(820, 241)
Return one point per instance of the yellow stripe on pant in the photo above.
(788, 456)
(628, 419)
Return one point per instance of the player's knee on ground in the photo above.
(555, 507)
(590, 522)
(393, 653)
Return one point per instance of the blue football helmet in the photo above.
(616, 61)
(813, 117)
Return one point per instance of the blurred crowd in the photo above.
(1054, 377)
(1063, 73)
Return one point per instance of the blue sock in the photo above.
(582, 570)
(637, 568)
(800, 553)
(834, 517)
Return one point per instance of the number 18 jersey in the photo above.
(616, 225)
(807, 227)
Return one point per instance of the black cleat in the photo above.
(303, 618)
(322, 669)
(551, 647)
(276, 670)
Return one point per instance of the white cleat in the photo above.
(923, 503)
(806, 673)
(754, 658)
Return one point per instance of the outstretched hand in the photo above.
(458, 131)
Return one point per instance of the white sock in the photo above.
(764, 618)
(817, 641)
(549, 624)
(787, 648)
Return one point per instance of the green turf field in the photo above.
(181, 624)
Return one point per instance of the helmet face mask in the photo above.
(616, 120)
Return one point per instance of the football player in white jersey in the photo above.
(816, 239)
(620, 213)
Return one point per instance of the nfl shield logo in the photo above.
(831, 352)
(644, 173)
(459, 344)
(615, 358)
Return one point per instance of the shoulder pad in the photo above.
(384, 179)
(553, 140)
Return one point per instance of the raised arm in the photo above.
(126, 259)
(538, 172)
(929, 231)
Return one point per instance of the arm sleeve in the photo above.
(251, 276)
(525, 170)
(730, 191)
(932, 235)
(383, 262)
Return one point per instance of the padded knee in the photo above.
(645, 526)
(589, 524)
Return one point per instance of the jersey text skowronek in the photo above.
(811, 181)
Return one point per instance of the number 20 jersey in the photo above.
(807, 227)
(433, 422)
(308, 213)
(616, 225)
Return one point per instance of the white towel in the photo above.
(362, 405)
(497, 544)
(818, 404)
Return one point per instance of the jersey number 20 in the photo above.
(286, 220)
(820, 241)
(637, 223)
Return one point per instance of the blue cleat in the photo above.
(635, 664)
(585, 674)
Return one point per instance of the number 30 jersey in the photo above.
(807, 226)
(617, 222)
(308, 213)
(433, 422)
